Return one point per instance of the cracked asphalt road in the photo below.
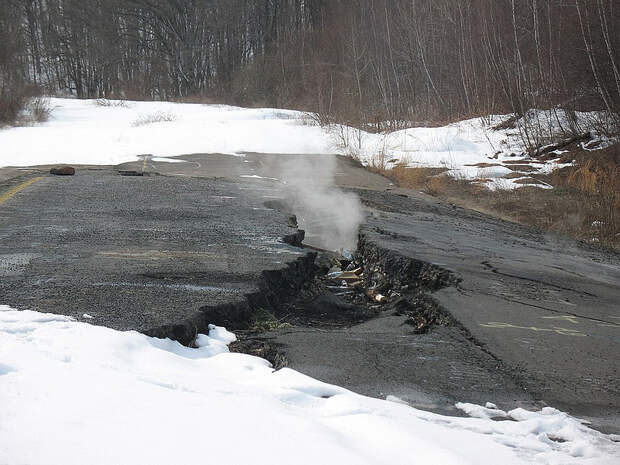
(137, 252)
(547, 306)
(542, 313)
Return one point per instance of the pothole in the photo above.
(339, 291)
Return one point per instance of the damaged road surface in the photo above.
(535, 319)
(437, 304)
(547, 307)
(141, 253)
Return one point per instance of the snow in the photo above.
(256, 176)
(470, 149)
(167, 160)
(454, 146)
(83, 132)
(76, 393)
(490, 410)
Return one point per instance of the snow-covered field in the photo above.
(83, 132)
(80, 131)
(75, 393)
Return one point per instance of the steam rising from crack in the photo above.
(330, 216)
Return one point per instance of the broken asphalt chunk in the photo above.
(63, 171)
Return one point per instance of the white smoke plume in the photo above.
(330, 216)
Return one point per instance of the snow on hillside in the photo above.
(83, 132)
(75, 393)
(469, 149)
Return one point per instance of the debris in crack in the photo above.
(292, 221)
(396, 270)
(422, 311)
(349, 289)
(373, 281)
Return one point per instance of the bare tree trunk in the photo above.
(588, 44)
(605, 31)
(423, 59)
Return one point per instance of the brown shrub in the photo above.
(595, 178)
(12, 102)
(584, 203)
(39, 109)
(157, 117)
(104, 102)
(16, 100)
(416, 178)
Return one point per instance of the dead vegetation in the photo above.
(104, 102)
(23, 105)
(416, 178)
(10, 107)
(263, 320)
(157, 117)
(584, 202)
(38, 109)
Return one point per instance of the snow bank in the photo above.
(454, 146)
(74, 393)
(470, 149)
(461, 145)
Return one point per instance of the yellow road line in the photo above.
(20, 187)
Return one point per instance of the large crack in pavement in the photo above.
(276, 289)
(416, 350)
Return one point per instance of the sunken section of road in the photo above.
(537, 318)
(139, 252)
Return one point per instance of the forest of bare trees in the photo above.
(377, 63)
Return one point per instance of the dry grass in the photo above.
(584, 203)
(104, 102)
(158, 117)
(23, 105)
(264, 320)
(39, 109)
(416, 178)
